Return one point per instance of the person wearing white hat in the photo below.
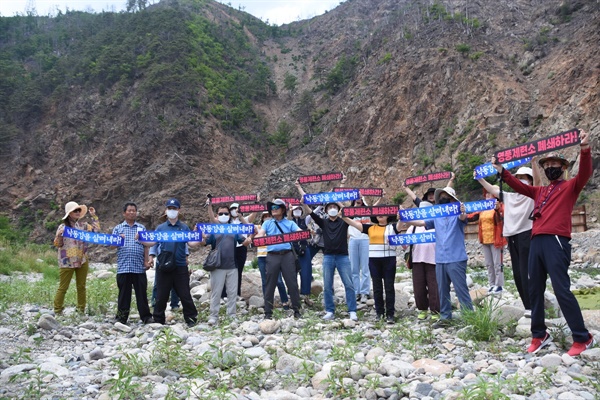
(450, 256)
(550, 251)
(517, 229)
(72, 254)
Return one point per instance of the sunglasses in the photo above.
(275, 207)
(77, 210)
(223, 213)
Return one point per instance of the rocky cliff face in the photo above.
(396, 88)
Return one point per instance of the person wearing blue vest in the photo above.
(280, 258)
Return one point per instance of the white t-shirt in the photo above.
(517, 209)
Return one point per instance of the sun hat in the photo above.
(430, 190)
(276, 202)
(525, 171)
(448, 190)
(424, 204)
(234, 205)
(70, 206)
(554, 156)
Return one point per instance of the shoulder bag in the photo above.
(166, 260)
(408, 255)
(296, 260)
(213, 259)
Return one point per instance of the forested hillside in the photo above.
(187, 97)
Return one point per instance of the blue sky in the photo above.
(275, 11)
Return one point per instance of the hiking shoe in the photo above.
(286, 306)
(268, 316)
(497, 291)
(442, 323)
(328, 316)
(380, 317)
(363, 298)
(297, 315)
(190, 323)
(353, 316)
(491, 290)
(579, 347)
(539, 343)
(435, 317)
(422, 315)
(390, 320)
(308, 301)
(527, 314)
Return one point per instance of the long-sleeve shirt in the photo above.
(73, 253)
(554, 202)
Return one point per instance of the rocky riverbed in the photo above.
(83, 357)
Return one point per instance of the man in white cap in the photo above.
(550, 252)
(517, 230)
(450, 256)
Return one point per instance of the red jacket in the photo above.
(555, 216)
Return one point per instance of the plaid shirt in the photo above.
(130, 257)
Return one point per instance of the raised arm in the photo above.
(487, 186)
(211, 213)
(451, 180)
(409, 192)
(355, 224)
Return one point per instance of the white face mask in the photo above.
(332, 212)
(297, 213)
(525, 181)
(234, 213)
(223, 219)
(172, 214)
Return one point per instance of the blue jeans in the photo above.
(358, 250)
(174, 297)
(262, 267)
(305, 272)
(455, 273)
(342, 263)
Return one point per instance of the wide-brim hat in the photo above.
(234, 205)
(430, 190)
(277, 202)
(424, 204)
(525, 171)
(448, 190)
(70, 206)
(556, 157)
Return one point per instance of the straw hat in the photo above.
(70, 206)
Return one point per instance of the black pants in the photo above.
(239, 254)
(551, 255)
(383, 274)
(180, 281)
(286, 265)
(139, 283)
(518, 246)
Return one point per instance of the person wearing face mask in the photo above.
(241, 251)
(72, 255)
(550, 250)
(382, 262)
(517, 229)
(358, 249)
(225, 276)
(178, 279)
(450, 256)
(335, 233)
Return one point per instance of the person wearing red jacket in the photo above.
(550, 252)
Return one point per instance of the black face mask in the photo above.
(445, 200)
(553, 173)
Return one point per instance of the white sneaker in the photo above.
(353, 316)
(212, 321)
(328, 316)
(527, 314)
(363, 298)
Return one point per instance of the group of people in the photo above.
(534, 220)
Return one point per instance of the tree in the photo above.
(304, 108)
(290, 82)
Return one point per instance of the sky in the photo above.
(275, 11)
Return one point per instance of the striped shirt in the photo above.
(130, 257)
